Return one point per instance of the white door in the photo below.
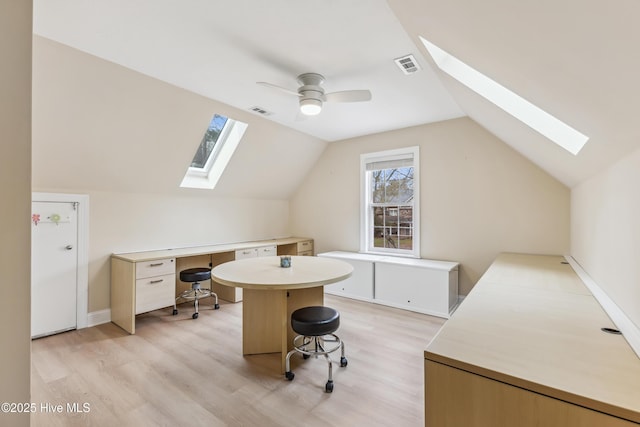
(54, 267)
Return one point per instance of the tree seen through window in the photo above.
(209, 141)
(392, 207)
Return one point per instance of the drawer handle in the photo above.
(157, 264)
(246, 252)
(305, 244)
(156, 281)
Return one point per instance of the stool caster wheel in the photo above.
(289, 375)
(305, 356)
(329, 386)
(195, 315)
(175, 311)
(217, 306)
(343, 362)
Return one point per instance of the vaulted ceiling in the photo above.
(578, 60)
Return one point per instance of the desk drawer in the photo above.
(306, 246)
(153, 293)
(268, 251)
(158, 267)
(246, 253)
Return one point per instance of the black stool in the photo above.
(195, 276)
(316, 326)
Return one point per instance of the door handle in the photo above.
(68, 247)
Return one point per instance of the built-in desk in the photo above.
(146, 281)
(526, 349)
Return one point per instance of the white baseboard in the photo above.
(99, 317)
(629, 330)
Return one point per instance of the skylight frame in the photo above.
(208, 176)
(222, 137)
(539, 120)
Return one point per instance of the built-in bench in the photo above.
(421, 285)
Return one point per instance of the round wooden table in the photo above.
(271, 293)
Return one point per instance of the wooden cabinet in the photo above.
(155, 283)
(526, 348)
(301, 247)
(138, 287)
(153, 293)
(464, 399)
(305, 248)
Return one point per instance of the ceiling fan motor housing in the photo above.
(311, 88)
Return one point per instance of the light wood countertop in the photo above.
(532, 323)
(203, 250)
(266, 273)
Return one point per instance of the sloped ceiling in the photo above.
(220, 49)
(578, 60)
(98, 126)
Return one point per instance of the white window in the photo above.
(214, 152)
(390, 202)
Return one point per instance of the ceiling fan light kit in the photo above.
(311, 94)
(310, 106)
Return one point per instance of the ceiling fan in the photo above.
(311, 94)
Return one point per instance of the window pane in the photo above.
(405, 227)
(377, 186)
(398, 185)
(208, 141)
(393, 227)
(392, 185)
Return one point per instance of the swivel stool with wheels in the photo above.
(315, 327)
(195, 276)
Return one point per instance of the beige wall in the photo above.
(605, 232)
(15, 209)
(127, 222)
(478, 197)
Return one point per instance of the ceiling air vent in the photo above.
(260, 111)
(407, 64)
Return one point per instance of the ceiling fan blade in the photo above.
(283, 89)
(348, 96)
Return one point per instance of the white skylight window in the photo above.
(541, 121)
(214, 152)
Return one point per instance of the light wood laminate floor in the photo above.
(177, 371)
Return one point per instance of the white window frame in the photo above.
(208, 176)
(366, 216)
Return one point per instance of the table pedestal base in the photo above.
(266, 314)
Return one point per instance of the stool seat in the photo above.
(315, 321)
(195, 274)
